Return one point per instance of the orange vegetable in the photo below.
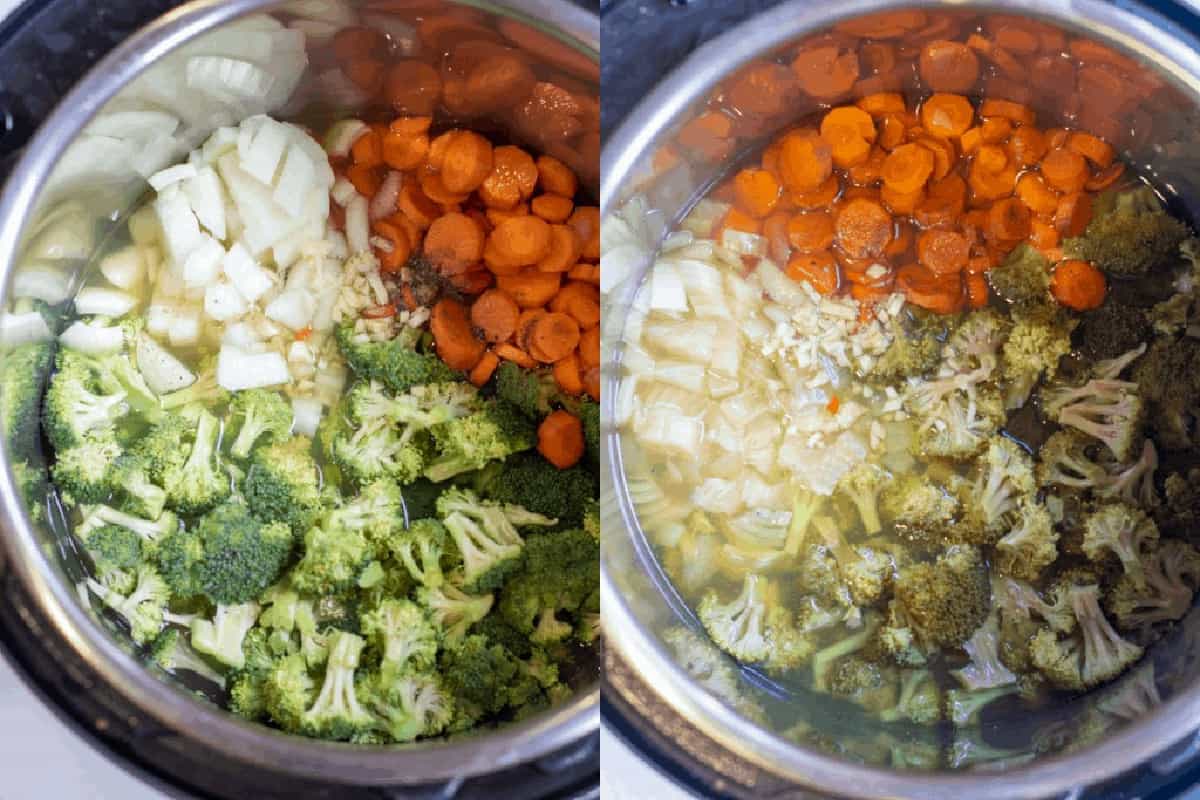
(948, 66)
(586, 222)
(589, 347)
(805, 161)
(568, 375)
(1073, 214)
(560, 439)
(986, 185)
(482, 372)
(1064, 170)
(413, 87)
(863, 227)
(1009, 220)
(810, 232)
(995, 130)
(991, 158)
(943, 203)
(530, 288)
(452, 336)
(970, 140)
(392, 260)
(756, 192)
(454, 243)
(774, 228)
(849, 131)
(416, 205)
(868, 172)
(977, 291)
(522, 240)
(882, 103)
(923, 287)
(494, 315)
(891, 132)
(512, 179)
(1093, 148)
(1034, 193)
(943, 251)
(553, 208)
(435, 189)
(367, 150)
(1019, 114)
(466, 163)
(1043, 235)
(901, 202)
(402, 151)
(826, 73)
(943, 154)
(588, 273)
(907, 168)
(1078, 285)
(366, 180)
(565, 248)
(947, 115)
(553, 337)
(820, 197)
(581, 301)
(556, 177)
(1105, 178)
(516, 355)
(820, 269)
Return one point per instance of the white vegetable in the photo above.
(666, 288)
(261, 159)
(181, 231)
(125, 268)
(19, 329)
(164, 178)
(306, 415)
(223, 302)
(228, 78)
(626, 402)
(184, 330)
(133, 125)
(93, 338)
(159, 317)
(727, 351)
(705, 289)
(778, 285)
(251, 280)
(42, 281)
(342, 136)
(143, 226)
(65, 233)
(387, 199)
(295, 181)
(677, 373)
(339, 249)
(156, 154)
(744, 244)
(343, 192)
(622, 263)
(718, 496)
(358, 225)
(238, 370)
(293, 308)
(98, 301)
(243, 336)
(665, 427)
(690, 341)
(203, 266)
(265, 222)
(207, 199)
(162, 370)
(221, 142)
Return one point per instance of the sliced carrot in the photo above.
(404, 152)
(868, 172)
(560, 439)
(1043, 235)
(1019, 114)
(436, 190)
(401, 247)
(1027, 145)
(944, 156)
(1105, 178)
(756, 192)
(849, 131)
(1009, 220)
(820, 197)
(586, 222)
(454, 243)
(1034, 193)
(367, 150)
(581, 301)
(944, 202)
(1057, 137)
(986, 185)
(810, 232)
(516, 355)
(1064, 170)
(588, 273)
(820, 269)
(805, 161)
(1073, 214)
(943, 251)
(1078, 285)
(357, 41)
(826, 73)
(891, 132)
(494, 315)
(589, 347)
(947, 115)
(556, 177)
(882, 103)
(565, 248)
(530, 288)
(553, 337)
(553, 208)
(901, 203)
(995, 130)
(922, 287)
(763, 88)
(947, 66)
(908, 167)
(417, 206)
(451, 327)
(1093, 148)
(991, 158)
(410, 126)
(413, 87)
(774, 228)
(495, 215)
(365, 73)
(499, 81)
(465, 163)
(864, 227)
(366, 180)
(970, 140)
(512, 179)
(568, 375)
(482, 372)
(977, 291)
(522, 240)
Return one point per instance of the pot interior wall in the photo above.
(1072, 77)
(81, 211)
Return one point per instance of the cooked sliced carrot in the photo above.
(516, 355)
(589, 347)
(943, 251)
(821, 197)
(404, 152)
(870, 171)
(970, 140)
(1093, 148)
(452, 336)
(522, 240)
(944, 202)
(495, 215)
(891, 132)
(805, 161)
(1056, 137)
(564, 252)
(365, 73)
(367, 150)
(944, 156)
(553, 337)
(707, 135)
(435, 189)
(497, 262)
(530, 288)
(849, 131)
(454, 243)
(357, 41)
(588, 273)
(922, 287)
(810, 232)
(995, 130)
(413, 87)
(417, 206)
(877, 57)
(366, 180)
(762, 89)
(569, 375)
(993, 107)
(410, 126)
(991, 158)
(1034, 193)
(882, 103)
(947, 66)
(901, 203)
(1078, 285)
(1008, 220)
(756, 192)
(902, 239)
(986, 185)
(512, 179)
(826, 73)
(482, 372)
(1064, 170)
(499, 81)
(1073, 214)
(401, 246)
(556, 177)
(560, 439)
(494, 315)
(977, 291)
(947, 115)
(581, 301)
(908, 167)
(586, 222)
(553, 208)
(1043, 235)
(864, 227)
(1105, 178)
(466, 162)
(820, 269)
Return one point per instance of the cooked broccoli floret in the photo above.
(1168, 380)
(1068, 458)
(959, 424)
(898, 641)
(1130, 236)
(747, 626)
(77, 409)
(288, 692)
(1106, 409)
(1122, 531)
(198, 484)
(136, 491)
(396, 363)
(33, 482)
(986, 670)
(1170, 575)
(920, 699)
(337, 712)
(532, 482)
(1133, 483)
(228, 555)
(412, 704)
(420, 408)
(1093, 655)
(1004, 480)
(84, 472)
(865, 683)
(150, 531)
(334, 557)
(221, 637)
(1030, 545)
(142, 609)
(171, 652)
(528, 390)
(916, 348)
(862, 485)
(420, 550)
(478, 673)
(379, 450)
(1037, 342)
(485, 536)
(23, 372)
(469, 443)
(919, 508)
(826, 658)
(946, 600)
(1110, 330)
(403, 634)
(865, 571)
(713, 669)
(560, 572)
(256, 417)
(453, 610)
(1023, 280)
(283, 483)
(1179, 513)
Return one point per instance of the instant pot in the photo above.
(61, 63)
(664, 63)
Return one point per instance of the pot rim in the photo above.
(20, 552)
(1157, 42)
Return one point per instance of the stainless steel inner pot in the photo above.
(559, 38)
(651, 176)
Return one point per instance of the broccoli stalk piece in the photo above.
(1030, 545)
(1124, 532)
(402, 632)
(221, 637)
(1105, 409)
(337, 713)
(453, 610)
(198, 484)
(469, 443)
(283, 483)
(420, 550)
(258, 416)
(412, 705)
(1005, 480)
(1095, 654)
(142, 609)
(171, 652)
(948, 599)
(23, 372)
(920, 699)
(1131, 236)
(824, 659)
(76, 408)
(150, 531)
(986, 670)
(862, 484)
(1170, 576)
(963, 707)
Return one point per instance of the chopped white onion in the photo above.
(19, 329)
(203, 266)
(358, 225)
(164, 178)
(180, 229)
(98, 301)
(162, 370)
(251, 280)
(42, 281)
(238, 370)
(184, 330)
(296, 180)
(223, 302)
(207, 199)
(306, 415)
(387, 200)
(343, 192)
(293, 308)
(93, 338)
(342, 136)
(744, 244)
(124, 268)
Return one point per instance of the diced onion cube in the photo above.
(164, 178)
(93, 338)
(295, 181)
(207, 199)
(223, 302)
(293, 308)
(203, 266)
(98, 301)
(306, 415)
(124, 268)
(251, 280)
(184, 330)
(238, 370)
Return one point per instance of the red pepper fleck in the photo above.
(304, 333)
(833, 405)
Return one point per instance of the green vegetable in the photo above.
(1130, 236)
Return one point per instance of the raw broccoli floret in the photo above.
(1106, 409)
(1170, 576)
(1168, 381)
(288, 692)
(469, 443)
(560, 572)
(963, 707)
(874, 687)
(256, 417)
(199, 483)
(33, 482)
(142, 609)
(412, 704)
(118, 373)
(1119, 530)
(986, 670)
(228, 555)
(916, 348)
(920, 699)
(402, 632)
(1110, 330)
(376, 511)
(420, 408)
(334, 557)
(23, 372)
(862, 485)
(116, 554)
(1130, 236)
(1030, 545)
(1004, 479)
(420, 550)
(588, 412)
(379, 450)
(396, 363)
(76, 408)
(1179, 512)
(221, 637)
(453, 610)
(171, 652)
(528, 390)
(532, 482)
(135, 490)
(478, 674)
(1023, 280)
(83, 473)
(945, 600)
(204, 391)
(283, 483)
(1037, 342)
(337, 712)
(1094, 654)
(165, 445)
(485, 536)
